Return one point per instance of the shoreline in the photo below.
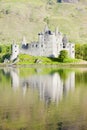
(70, 65)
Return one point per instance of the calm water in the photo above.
(43, 99)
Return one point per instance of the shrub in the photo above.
(6, 56)
(63, 55)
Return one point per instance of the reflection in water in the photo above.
(21, 109)
(50, 86)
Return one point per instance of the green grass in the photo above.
(26, 59)
(69, 60)
(29, 60)
(27, 18)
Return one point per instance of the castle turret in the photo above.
(24, 41)
(65, 41)
(46, 28)
(41, 38)
(15, 51)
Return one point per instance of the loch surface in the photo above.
(43, 98)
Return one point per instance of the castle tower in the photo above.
(65, 41)
(24, 41)
(15, 51)
(41, 38)
(46, 29)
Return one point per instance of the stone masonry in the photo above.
(49, 44)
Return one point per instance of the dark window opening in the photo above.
(64, 46)
(25, 46)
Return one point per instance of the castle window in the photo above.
(32, 45)
(41, 45)
(36, 45)
(64, 46)
(72, 51)
(15, 51)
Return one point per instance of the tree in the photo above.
(63, 55)
(79, 51)
(6, 56)
(85, 52)
(0, 49)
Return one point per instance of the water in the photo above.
(43, 99)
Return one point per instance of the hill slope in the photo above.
(28, 17)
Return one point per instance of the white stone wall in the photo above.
(49, 45)
(15, 52)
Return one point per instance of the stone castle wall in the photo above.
(49, 45)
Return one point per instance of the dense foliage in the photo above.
(81, 51)
(63, 55)
(5, 52)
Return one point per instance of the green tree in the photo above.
(63, 55)
(85, 52)
(0, 49)
(6, 56)
(79, 51)
(8, 49)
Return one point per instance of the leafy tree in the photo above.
(79, 51)
(63, 55)
(8, 49)
(85, 52)
(0, 49)
(6, 56)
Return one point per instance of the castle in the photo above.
(49, 45)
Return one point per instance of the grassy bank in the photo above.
(29, 60)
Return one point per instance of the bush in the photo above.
(63, 55)
(6, 56)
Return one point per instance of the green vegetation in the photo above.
(5, 52)
(24, 59)
(28, 17)
(81, 51)
(63, 55)
(27, 59)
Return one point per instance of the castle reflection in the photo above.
(51, 87)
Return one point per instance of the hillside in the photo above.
(28, 17)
